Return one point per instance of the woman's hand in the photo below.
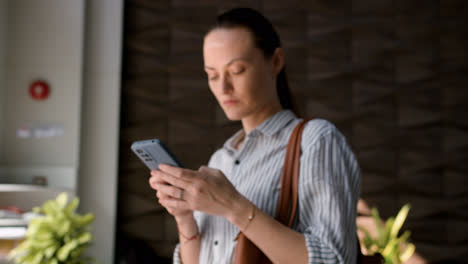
(179, 214)
(207, 190)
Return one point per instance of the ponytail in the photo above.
(284, 92)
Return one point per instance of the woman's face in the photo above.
(241, 78)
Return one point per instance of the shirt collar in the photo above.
(269, 127)
(276, 122)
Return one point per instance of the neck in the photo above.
(252, 121)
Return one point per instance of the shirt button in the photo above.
(237, 162)
(216, 242)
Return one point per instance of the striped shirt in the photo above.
(329, 183)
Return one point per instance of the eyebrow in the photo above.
(229, 63)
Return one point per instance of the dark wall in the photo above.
(392, 75)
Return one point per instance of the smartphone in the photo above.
(153, 152)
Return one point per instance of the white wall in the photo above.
(3, 50)
(45, 42)
(100, 122)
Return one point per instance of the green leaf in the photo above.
(400, 219)
(367, 239)
(65, 250)
(27, 258)
(38, 258)
(388, 259)
(402, 239)
(76, 254)
(85, 238)
(42, 243)
(72, 205)
(410, 248)
(61, 200)
(378, 225)
(387, 232)
(43, 234)
(23, 246)
(50, 208)
(50, 251)
(391, 248)
(64, 228)
(37, 210)
(52, 261)
(84, 220)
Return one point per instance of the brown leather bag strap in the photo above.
(295, 173)
(289, 189)
(246, 252)
(287, 204)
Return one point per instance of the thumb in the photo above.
(203, 168)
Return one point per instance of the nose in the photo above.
(226, 84)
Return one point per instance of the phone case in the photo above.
(153, 152)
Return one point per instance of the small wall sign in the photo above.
(40, 130)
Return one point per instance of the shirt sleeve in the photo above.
(328, 194)
(176, 257)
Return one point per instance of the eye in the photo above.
(237, 70)
(211, 75)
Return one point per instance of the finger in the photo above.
(203, 168)
(153, 182)
(175, 204)
(161, 195)
(169, 190)
(161, 176)
(185, 174)
(170, 179)
(156, 178)
(162, 198)
(156, 175)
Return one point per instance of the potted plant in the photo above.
(394, 248)
(59, 235)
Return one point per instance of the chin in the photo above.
(233, 115)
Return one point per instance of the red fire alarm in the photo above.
(39, 90)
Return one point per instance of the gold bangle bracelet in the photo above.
(250, 218)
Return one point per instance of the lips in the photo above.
(230, 102)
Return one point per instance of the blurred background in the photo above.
(392, 75)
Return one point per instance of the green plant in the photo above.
(59, 235)
(395, 249)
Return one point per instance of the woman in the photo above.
(239, 190)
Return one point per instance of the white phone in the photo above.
(153, 152)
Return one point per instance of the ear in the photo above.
(278, 60)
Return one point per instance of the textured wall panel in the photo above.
(391, 74)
